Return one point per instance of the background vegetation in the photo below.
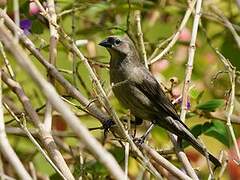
(87, 22)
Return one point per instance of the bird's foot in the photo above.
(107, 125)
(139, 141)
(142, 139)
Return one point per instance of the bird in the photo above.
(137, 90)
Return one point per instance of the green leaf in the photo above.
(194, 93)
(191, 114)
(37, 27)
(211, 105)
(218, 130)
(55, 176)
(215, 129)
(95, 167)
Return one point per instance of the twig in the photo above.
(5, 177)
(33, 170)
(52, 59)
(230, 105)
(223, 159)
(6, 148)
(228, 24)
(45, 136)
(6, 62)
(127, 151)
(16, 16)
(74, 60)
(1, 167)
(164, 163)
(185, 90)
(211, 175)
(176, 35)
(32, 139)
(92, 144)
(91, 107)
(191, 53)
(183, 158)
(140, 37)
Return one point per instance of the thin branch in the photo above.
(191, 53)
(92, 144)
(230, 105)
(228, 24)
(91, 107)
(6, 61)
(100, 90)
(45, 136)
(6, 148)
(33, 170)
(176, 35)
(16, 16)
(224, 159)
(126, 160)
(211, 175)
(183, 158)
(52, 59)
(32, 139)
(164, 163)
(140, 37)
(180, 153)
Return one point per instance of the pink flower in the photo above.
(185, 35)
(33, 8)
(159, 66)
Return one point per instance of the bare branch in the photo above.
(191, 53)
(45, 136)
(6, 148)
(140, 37)
(32, 139)
(176, 35)
(92, 144)
(164, 163)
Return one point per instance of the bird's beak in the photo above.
(105, 43)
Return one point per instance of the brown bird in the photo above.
(136, 89)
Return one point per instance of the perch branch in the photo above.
(176, 35)
(92, 144)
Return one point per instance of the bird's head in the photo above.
(116, 45)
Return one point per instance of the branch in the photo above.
(164, 163)
(90, 106)
(6, 148)
(227, 23)
(52, 59)
(91, 143)
(32, 139)
(191, 53)
(140, 37)
(230, 106)
(45, 136)
(176, 35)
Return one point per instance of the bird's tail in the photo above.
(181, 130)
(187, 135)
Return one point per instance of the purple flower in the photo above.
(188, 103)
(26, 25)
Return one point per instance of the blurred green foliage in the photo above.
(93, 20)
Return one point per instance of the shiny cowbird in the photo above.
(136, 89)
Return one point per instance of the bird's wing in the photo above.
(151, 88)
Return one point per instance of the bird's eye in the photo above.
(117, 41)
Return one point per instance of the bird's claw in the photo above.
(139, 141)
(107, 125)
